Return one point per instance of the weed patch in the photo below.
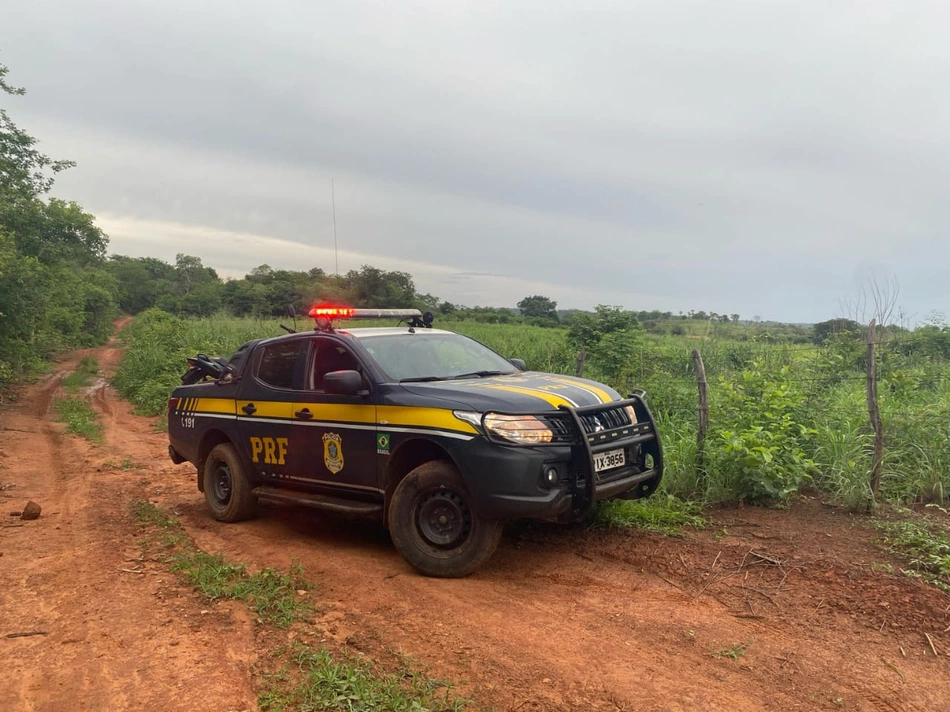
(80, 418)
(86, 370)
(271, 594)
(733, 652)
(924, 545)
(326, 682)
(309, 678)
(664, 515)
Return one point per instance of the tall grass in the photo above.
(826, 387)
(159, 343)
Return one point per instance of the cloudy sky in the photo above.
(765, 158)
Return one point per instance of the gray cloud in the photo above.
(739, 156)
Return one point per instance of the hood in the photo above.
(520, 392)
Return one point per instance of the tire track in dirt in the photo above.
(111, 639)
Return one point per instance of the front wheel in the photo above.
(227, 489)
(433, 526)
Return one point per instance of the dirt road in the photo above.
(765, 610)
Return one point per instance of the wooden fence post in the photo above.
(702, 411)
(874, 413)
(581, 358)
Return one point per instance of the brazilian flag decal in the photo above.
(382, 443)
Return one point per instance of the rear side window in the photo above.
(278, 362)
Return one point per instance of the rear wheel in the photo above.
(227, 489)
(433, 526)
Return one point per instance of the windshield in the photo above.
(434, 357)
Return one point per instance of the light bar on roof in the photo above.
(350, 313)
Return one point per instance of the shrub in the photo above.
(759, 450)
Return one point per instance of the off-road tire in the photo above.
(227, 489)
(433, 526)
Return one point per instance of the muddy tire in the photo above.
(433, 526)
(227, 489)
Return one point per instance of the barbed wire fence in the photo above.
(890, 387)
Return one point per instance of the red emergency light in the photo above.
(325, 314)
(332, 312)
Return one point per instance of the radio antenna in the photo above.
(336, 249)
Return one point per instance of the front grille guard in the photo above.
(582, 444)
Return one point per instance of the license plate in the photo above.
(609, 460)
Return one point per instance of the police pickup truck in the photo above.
(431, 432)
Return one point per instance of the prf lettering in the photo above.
(274, 450)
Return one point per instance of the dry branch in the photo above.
(903, 679)
(769, 559)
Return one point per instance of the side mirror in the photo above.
(291, 311)
(343, 383)
(519, 364)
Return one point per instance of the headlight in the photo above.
(521, 429)
(632, 413)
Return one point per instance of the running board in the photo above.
(319, 501)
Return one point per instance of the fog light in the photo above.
(551, 476)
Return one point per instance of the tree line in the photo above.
(188, 288)
(55, 289)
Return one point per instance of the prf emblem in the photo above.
(333, 452)
(271, 450)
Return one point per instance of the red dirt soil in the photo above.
(764, 610)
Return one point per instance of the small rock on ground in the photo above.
(31, 510)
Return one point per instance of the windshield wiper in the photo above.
(473, 374)
(482, 374)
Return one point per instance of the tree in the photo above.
(609, 336)
(376, 288)
(54, 290)
(538, 307)
(189, 272)
(587, 330)
(824, 330)
(429, 302)
(883, 299)
(141, 281)
(23, 169)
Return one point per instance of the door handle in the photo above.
(304, 414)
(249, 409)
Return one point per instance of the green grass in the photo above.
(86, 370)
(733, 652)
(148, 514)
(323, 681)
(159, 343)
(126, 464)
(271, 594)
(924, 545)
(80, 418)
(663, 514)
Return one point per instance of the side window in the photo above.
(330, 356)
(277, 363)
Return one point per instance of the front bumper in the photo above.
(507, 480)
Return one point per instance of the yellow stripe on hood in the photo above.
(552, 399)
(589, 387)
